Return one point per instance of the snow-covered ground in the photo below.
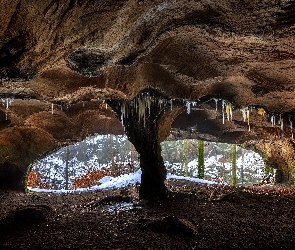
(121, 181)
(116, 155)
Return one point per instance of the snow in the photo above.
(172, 176)
(93, 154)
(124, 180)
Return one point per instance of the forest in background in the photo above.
(84, 163)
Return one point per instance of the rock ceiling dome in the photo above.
(59, 59)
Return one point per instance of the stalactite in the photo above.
(52, 108)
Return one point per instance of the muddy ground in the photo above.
(195, 216)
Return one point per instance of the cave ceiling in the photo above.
(60, 59)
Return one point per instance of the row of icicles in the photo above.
(141, 104)
(227, 109)
(144, 102)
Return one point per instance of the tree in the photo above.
(201, 161)
(67, 167)
(184, 160)
(234, 165)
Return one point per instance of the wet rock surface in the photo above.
(193, 216)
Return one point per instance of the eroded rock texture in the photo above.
(62, 52)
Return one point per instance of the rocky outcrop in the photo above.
(279, 154)
(228, 58)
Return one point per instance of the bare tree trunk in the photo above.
(234, 165)
(201, 160)
(67, 167)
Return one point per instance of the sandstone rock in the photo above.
(69, 52)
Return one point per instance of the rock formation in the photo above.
(231, 62)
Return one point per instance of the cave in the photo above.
(223, 72)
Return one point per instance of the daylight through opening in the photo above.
(102, 158)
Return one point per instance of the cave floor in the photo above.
(203, 217)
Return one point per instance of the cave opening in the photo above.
(84, 164)
(152, 123)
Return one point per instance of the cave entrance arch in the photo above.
(84, 163)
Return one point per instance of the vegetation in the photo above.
(234, 165)
(201, 160)
(82, 164)
(89, 179)
(268, 170)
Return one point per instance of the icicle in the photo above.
(123, 109)
(188, 107)
(6, 115)
(136, 105)
(282, 125)
(61, 107)
(244, 110)
(83, 104)
(160, 103)
(291, 127)
(106, 106)
(52, 107)
(228, 110)
(148, 103)
(223, 104)
(194, 104)
(216, 103)
(171, 104)
(273, 120)
(248, 118)
(6, 102)
(141, 110)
